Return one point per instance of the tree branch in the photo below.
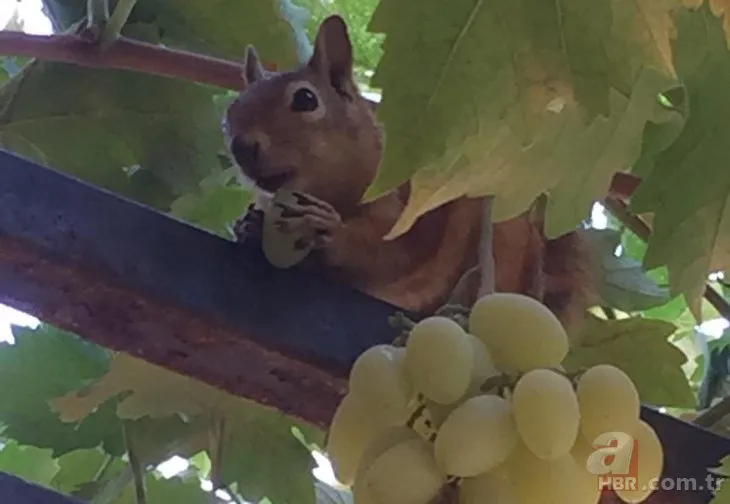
(125, 54)
(713, 414)
(641, 229)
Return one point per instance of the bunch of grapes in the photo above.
(488, 410)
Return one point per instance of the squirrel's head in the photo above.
(308, 129)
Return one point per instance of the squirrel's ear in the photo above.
(253, 70)
(333, 55)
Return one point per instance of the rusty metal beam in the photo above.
(132, 279)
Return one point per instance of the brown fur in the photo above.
(335, 157)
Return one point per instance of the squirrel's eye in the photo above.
(304, 100)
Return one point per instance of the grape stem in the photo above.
(486, 250)
(458, 305)
(416, 415)
(400, 322)
(500, 382)
(449, 493)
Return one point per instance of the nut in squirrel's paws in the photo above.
(295, 224)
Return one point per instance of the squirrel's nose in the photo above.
(245, 153)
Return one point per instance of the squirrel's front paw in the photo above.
(249, 226)
(309, 213)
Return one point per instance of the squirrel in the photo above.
(310, 130)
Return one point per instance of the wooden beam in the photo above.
(18, 491)
(689, 452)
(134, 280)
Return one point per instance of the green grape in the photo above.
(483, 367)
(405, 473)
(382, 442)
(590, 485)
(609, 401)
(538, 481)
(282, 249)
(546, 413)
(378, 378)
(351, 430)
(520, 333)
(439, 359)
(650, 462)
(581, 450)
(360, 494)
(476, 437)
(488, 487)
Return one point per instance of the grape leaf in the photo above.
(450, 74)
(252, 434)
(573, 160)
(625, 344)
(720, 8)
(676, 310)
(93, 490)
(261, 455)
(201, 462)
(68, 363)
(624, 284)
(176, 490)
(76, 468)
(609, 145)
(214, 206)
(223, 28)
(660, 134)
(154, 442)
(102, 125)
(635, 248)
(689, 186)
(28, 462)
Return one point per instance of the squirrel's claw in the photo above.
(249, 226)
(309, 213)
(320, 214)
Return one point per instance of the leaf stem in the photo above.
(215, 449)
(135, 464)
(714, 414)
(486, 251)
(641, 229)
(118, 19)
(104, 467)
(97, 12)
